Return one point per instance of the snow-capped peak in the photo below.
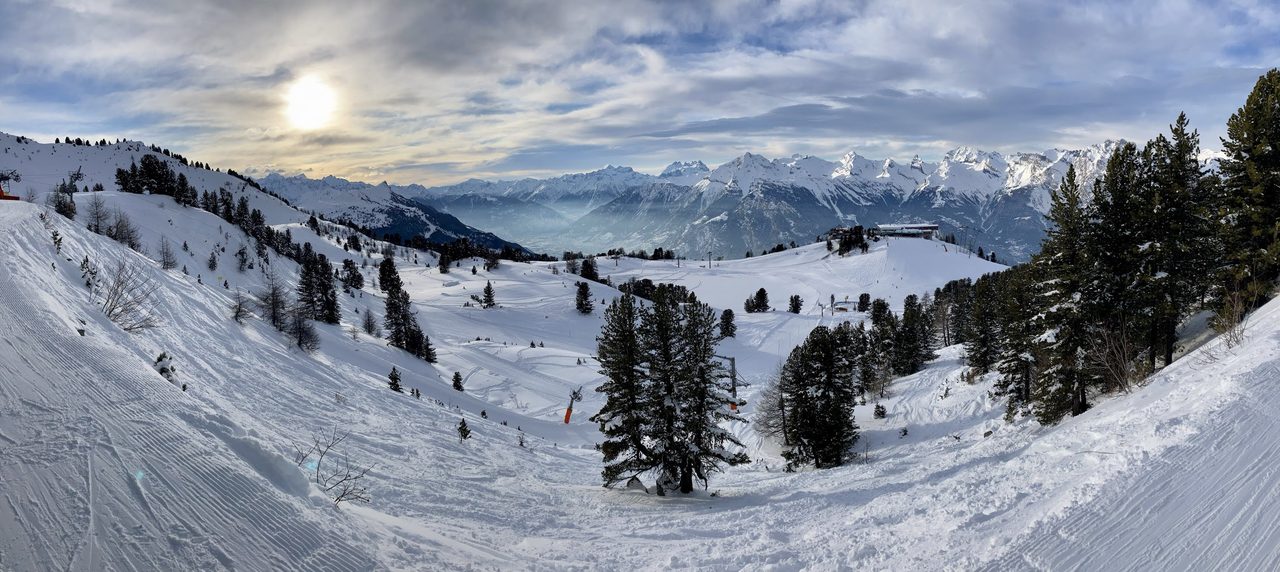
(685, 172)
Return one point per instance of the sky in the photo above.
(435, 92)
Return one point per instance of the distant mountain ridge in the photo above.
(382, 208)
(752, 202)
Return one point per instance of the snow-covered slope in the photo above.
(105, 465)
(379, 207)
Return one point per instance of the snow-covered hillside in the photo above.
(104, 464)
(378, 207)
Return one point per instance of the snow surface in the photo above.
(105, 465)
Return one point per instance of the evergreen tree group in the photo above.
(815, 397)
(795, 304)
(399, 318)
(809, 405)
(665, 393)
(759, 302)
(350, 276)
(1162, 238)
(316, 293)
(582, 299)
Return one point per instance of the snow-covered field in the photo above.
(105, 465)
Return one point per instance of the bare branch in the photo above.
(128, 298)
(344, 482)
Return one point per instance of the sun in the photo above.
(310, 103)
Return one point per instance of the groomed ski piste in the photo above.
(106, 465)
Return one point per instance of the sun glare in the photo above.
(309, 103)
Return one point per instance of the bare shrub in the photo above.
(128, 297)
(123, 231)
(168, 259)
(339, 479)
(97, 217)
(1115, 350)
(240, 307)
(771, 415)
(1231, 319)
(300, 329)
(274, 301)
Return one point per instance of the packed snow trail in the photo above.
(1208, 504)
(105, 465)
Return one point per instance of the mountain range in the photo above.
(753, 202)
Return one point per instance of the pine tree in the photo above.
(1251, 185)
(795, 304)
(666, 395)
(759, 302)
(818, 388)
(1116, 299)
(315, 287)
(330, 311)
(1020, 329)
(582, 300)
(488, 300)
(865, 374)
(1177, 247)
(864, 302)
(393, 380)
(662, 357)
(623, 418)
(880, 339)
(388, 278)
(727, 328)
(702, 399)
(395, 317)
(351, 277)
(589, 271)
(457, 381)
(912, 340)
(213, 261)
(983, 342)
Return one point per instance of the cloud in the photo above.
(441, 90)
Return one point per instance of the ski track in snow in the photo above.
(107, 438)
(1209, 503)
